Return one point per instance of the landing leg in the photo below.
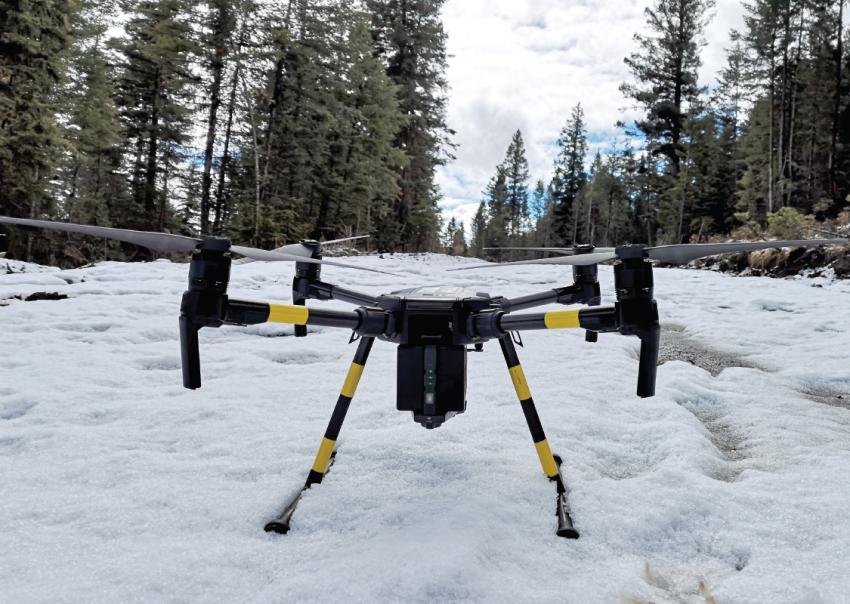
(550, 463)
(326, 453)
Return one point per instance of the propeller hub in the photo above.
(632, 251)
(215, 244)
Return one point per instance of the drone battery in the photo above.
(431, 382)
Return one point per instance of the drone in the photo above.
(434, 328)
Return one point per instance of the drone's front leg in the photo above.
(550, 463)
(324, 457)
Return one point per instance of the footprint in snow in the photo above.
(729, 442)
(771, 306)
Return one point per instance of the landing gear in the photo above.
(551, 463)
(326, 453)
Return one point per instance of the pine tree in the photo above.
(153, 95)
(92, 177)
(479, 231)
(498, 215)
(571, 177)
(409, 38)
(459, 247)
(33, 37)
(217, 45)
(537, 208)
(449, 235)
(516, 176)
(368, 167)
(665, 73)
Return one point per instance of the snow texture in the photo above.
(730, 485)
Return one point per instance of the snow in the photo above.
(120, 485)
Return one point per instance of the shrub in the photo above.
(789, 223)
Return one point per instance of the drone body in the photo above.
(432, 327)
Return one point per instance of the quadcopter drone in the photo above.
(433, 327)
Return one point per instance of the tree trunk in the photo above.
(153, 140)
(836, 110)
(225, 157)
(257, 197)
(220, 51)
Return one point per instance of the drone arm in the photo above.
(640, 320)
(320, 290)
(598, 319)
(578, 293)
(243, 312)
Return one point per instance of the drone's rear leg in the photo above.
(551, 464)
(326, 452)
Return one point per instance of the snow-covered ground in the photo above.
(119, 485)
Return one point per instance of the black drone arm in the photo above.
(363, 321)
(243, 312)
(626, 318)
(319, 290)
(584, 290)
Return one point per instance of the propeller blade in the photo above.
(168, 243)
(298, 249)
(161, 242)
(344, 239)
(567, 251)
(684, 253)
(578, 260)
(360, 268)
(275, 256)
(558, 250)
(270, 256)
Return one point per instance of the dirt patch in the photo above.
(828, 395)
(677, 345)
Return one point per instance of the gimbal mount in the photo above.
(433, 328)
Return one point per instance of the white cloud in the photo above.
(524, 64)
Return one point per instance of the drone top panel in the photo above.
(439, 292)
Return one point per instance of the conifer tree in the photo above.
(665, 73)
(479, 230)
(571, 177)
(217, 45)
(153, 95)
(516, 182)
(409, 38)
(33, 37)
(498, 214)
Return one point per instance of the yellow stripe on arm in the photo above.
(561, 319)
(286, 313)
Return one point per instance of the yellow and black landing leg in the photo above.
(326, 454)
(551, 463)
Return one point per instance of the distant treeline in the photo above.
(765, 151)
(262, 120)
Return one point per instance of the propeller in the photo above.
(171, 244)
(566, 251)
(668, 254)
(303, 250)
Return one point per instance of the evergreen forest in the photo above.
(270, 121)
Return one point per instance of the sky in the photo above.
(525, 63)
